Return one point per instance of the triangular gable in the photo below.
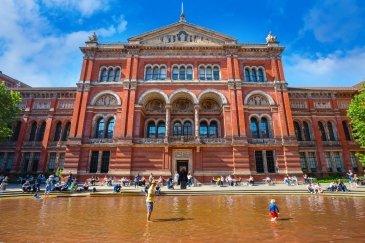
(182, 33)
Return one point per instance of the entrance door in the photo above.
(182, 164)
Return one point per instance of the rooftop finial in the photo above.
(182, 15)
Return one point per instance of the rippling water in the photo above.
(182, 219)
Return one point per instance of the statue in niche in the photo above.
(258, 100)
(106, 100)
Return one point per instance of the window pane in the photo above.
(307, 135)
(312, 161)
(354, 163)
(105, 158)
(111, 75)
(94, 161)
(298, 132)
(259, 162)
(33, 132)
(177, 129)
(25, 163)
(104, 75)
(151, 133)
(247, 75)
(117, 74)
(303, 162)
(213, 129)
(61, 160)
(260, 75)
(264, 128)
(328, 161)
(161, 130)
(203, 129)
(253, 75)
(162, 73)
(155, 73)
(9, 162)
(16, 131)
(52, 162)
(100, 128)
(338, 161)
(66, 132)
(110, 128)
(189, 73)
(35, 162)
(209, 73)
(346, 130)
(188, 131)
(270, 161)
(254, 128)
(202, 73)
(331, 131)
(148, 73)
(323, 132)
(40, 133)
(58, 131)
(175, 73)
(182, 73)
(216, 73)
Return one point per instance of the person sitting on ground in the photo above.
(268, 180)
(117, 187)
(332, 187)
(160, 181)
(26, 186)
(342, 187)
(36, 186)
(109, 181)
(356, 180)
(305, 179)
(317, 188)
(229, 180)
(294, 180)
(86, 186)
(58, 186)
(287, 180)
(213, 181)
(92, 181)
(125, 181)
(251, 181)
(170, 183)
(219, 181)
(310, 188)
(190, 179)
(142, 182)
(4, 184)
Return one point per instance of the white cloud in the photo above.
(33, 51)
(335, 69)
(85, 7)
(335, 20)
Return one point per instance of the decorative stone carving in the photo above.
(343, 104)
(93, 38)
(182, 154)
(258, 100)
(182, 106)
(299, 105)
(155, 106)
(271, 38)
(322, 104)
(209, 105)
(42, 105)
(65, 104)
(106, 100)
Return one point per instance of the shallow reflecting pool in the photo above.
(182, 219)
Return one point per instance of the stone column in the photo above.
(167, 122)
(196, 120)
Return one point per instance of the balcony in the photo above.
(262, 140)
(331, 143)
(307, 143)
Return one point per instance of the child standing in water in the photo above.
(274, 210)
(150, 199)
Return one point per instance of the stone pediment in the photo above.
(182, 34)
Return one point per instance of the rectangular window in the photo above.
(2, 155)
(52, 162)
(328, 161)
(270, 161)
(354, 163)
(35, 163)
(9, 162)
(312, 161)
(94, 161)
(303, 161)
(25, 163)
(338, 160)
(61, 161)
(105, 162)
(259, 162)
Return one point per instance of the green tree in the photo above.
(9, 110)
(356, 112)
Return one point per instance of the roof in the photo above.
(12, 81)
(322, 89)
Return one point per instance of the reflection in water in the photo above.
(192, 218)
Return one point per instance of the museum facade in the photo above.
(181, 96)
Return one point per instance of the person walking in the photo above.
(150, 199)
(273, 210)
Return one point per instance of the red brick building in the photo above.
(182, 96)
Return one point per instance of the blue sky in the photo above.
(324, 39)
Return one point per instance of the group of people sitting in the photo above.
(336, 186)
(229, 180)
(291, 180)
(3, 183)
(314, 188)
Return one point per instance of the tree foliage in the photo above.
(356, 112)
(9, 110)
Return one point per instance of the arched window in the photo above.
(175, 73)
(33, 132)
(216, 73)
(110, 128)
(188, 129)
(66, 131)
(209, 73)
(331, 131)
(323, 132)
(247, 75)
(213, 129)
(177, 129)
(58, 130)
(111, 75)
(254, 127)
(148, 73)
(155, 73)
(346, 130)
(100, 125)
(264, 128)
(202, 73)
(182, 73)
(162, 73)
(16, 131)
(203, 129)
(117, 74)
(40, 133)
(104, 75)
(298, 131)
(253, 75)
(161, 130)
(260, 75)
(307, 135)
(151, 129)
(189, 73)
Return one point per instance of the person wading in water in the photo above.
(150, 199)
